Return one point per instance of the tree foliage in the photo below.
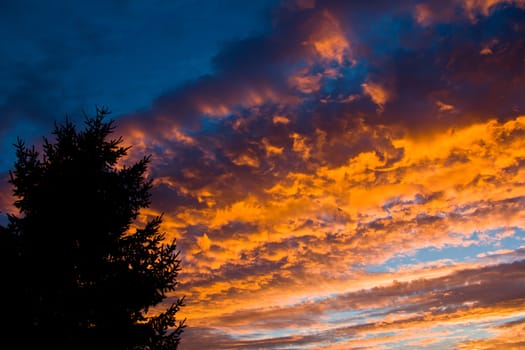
(78, 276)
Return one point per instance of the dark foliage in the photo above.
(77, 276)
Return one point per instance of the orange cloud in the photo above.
(329, 41)
(510, 335)
(423, 14)
(279, 119)
(472, 7)
(377, 93)
(305, 83)
(444, 107)
(445, 187)
(204, 242)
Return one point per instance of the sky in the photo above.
(338, 174)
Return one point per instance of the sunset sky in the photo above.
(338, 174)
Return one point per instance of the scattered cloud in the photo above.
(335, 184)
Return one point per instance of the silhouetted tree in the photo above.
(79, 276)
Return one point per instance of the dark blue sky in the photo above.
(62, 57)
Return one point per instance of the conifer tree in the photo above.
(79, 274)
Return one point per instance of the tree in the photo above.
(79, 276)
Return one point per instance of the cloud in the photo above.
(338, 184)
(484, 7)
(464, 296)
(300, 234)
(295, 182)
(204, 242)
(377, 93)
(508, 335)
